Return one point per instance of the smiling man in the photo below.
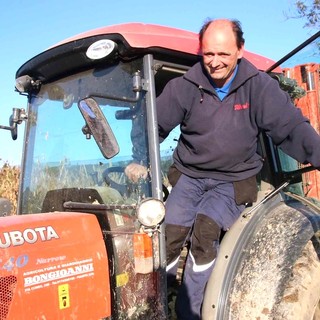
(221, 104)
(221, 51)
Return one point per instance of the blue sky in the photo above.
(30, 27)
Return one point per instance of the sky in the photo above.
(29, 27)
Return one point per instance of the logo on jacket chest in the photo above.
(241, 106)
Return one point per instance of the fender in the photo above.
(256, 256)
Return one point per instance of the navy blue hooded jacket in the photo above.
(219, 138)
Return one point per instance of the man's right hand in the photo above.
(135, 172)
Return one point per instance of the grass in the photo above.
(9, 184)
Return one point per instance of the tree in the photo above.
(309, 10)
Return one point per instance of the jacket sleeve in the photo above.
(303, 144)
(286, 125)
(169, 115)
(170, 108)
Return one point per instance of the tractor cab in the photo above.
(91, 112)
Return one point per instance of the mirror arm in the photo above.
(137, 87)
(87, 132)
(6, 127)
(125, 99)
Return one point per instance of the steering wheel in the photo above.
(123, 188)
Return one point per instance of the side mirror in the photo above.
(18, 115)
(98, 126)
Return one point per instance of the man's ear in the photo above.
(241, 52)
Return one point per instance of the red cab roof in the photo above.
(140, 35)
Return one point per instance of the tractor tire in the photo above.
(277, 276)
(301, 296)
(299, 300)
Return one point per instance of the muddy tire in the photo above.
(298, 300)
(301, 296)
(277, 274)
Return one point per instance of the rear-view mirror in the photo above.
(98, 126)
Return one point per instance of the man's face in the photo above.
(220, 52)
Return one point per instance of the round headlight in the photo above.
(150, 212)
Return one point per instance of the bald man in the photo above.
(221, 105)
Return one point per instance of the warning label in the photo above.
(64, 298)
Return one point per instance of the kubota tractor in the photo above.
(86, 243)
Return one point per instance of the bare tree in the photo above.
(308, 10)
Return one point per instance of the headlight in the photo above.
(150, 212)
(27, 84)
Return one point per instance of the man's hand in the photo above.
(135, 172)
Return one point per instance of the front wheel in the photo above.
(272, 271)
(302, 293)
(299, 299)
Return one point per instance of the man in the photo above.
(221, 104)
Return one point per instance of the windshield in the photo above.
(62, 154)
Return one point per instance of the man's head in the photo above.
(221, 44)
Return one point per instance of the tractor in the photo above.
(87, 243)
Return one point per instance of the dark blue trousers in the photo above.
(196, 211)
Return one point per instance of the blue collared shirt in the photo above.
(223, 91)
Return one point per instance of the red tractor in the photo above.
(86, 243)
